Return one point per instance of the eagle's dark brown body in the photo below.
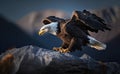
(74, 32)
(69, 40)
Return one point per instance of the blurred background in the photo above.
(20, 21)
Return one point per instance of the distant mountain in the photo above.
(32, 21)
(13, 36)
(112, 17)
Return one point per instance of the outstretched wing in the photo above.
(50, 19)
(94, 16)
(91, 21)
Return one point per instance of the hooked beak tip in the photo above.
(41, 32)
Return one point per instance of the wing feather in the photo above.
(91, 21)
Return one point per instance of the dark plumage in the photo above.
(52, 19)
(74, 32)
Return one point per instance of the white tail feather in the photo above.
(96, 44)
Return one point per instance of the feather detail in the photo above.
(93, 43)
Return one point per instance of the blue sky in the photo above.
(15, 9)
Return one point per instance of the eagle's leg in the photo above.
(64, 45)
(64, 48)
(60, 49)
(71, 47)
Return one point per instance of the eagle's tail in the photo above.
(96, 44)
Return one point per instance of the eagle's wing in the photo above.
(74, 31)
(50, 19)
(94, 16)
(91, 21)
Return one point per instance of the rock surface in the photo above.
(35, 60)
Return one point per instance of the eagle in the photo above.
(74, 32)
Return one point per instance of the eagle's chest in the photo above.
(65, 37)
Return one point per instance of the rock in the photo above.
(35, 60)
(7, 64)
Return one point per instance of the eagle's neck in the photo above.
(53, 28)
(58, 29)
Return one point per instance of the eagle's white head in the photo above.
(51, 28)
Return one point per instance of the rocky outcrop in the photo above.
(35, 60)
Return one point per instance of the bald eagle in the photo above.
(74, 31)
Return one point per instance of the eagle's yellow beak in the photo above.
(41, 32)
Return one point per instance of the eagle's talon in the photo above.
(64, 51)
(57, 49)
(61, 50)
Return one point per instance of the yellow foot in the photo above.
(57, 49)
(62, 50)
